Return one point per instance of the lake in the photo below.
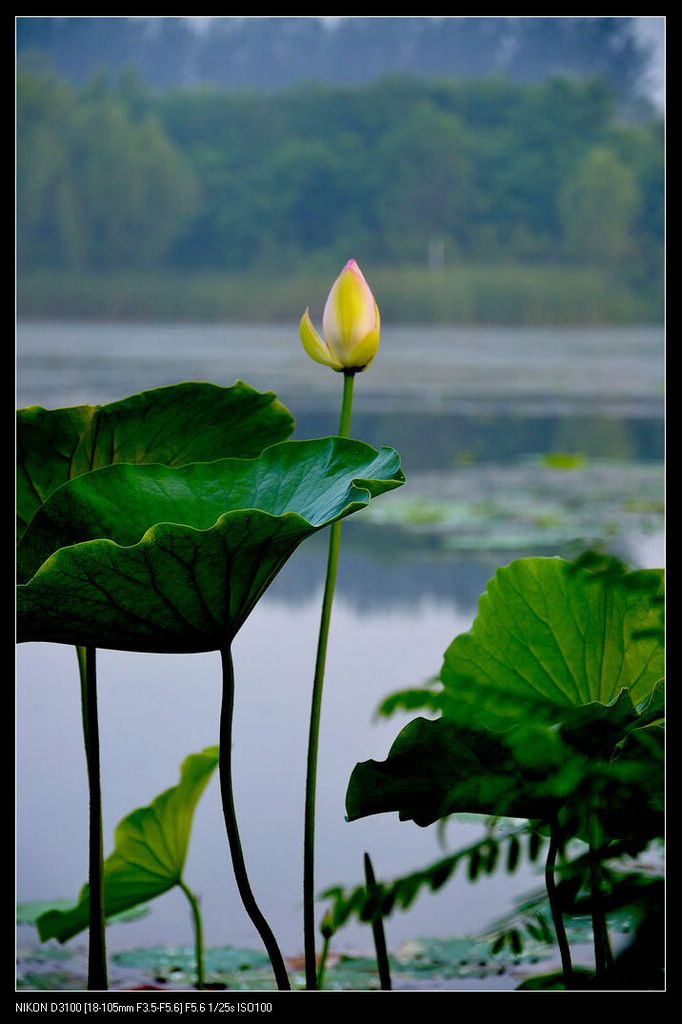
(514, 442)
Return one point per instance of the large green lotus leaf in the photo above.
(558, 677)
(176, 425)
(152, 558)
(150, 847)
(437, 767)
(550, 636)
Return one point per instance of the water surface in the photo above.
(476, 415)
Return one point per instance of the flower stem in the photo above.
(238, 865)
(315, 714)
(97, 958)
(346, 404)
(198, 933)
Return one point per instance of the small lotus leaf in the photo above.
(149, 853)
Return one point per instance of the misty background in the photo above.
(186, 187)
(519, 160)
(281, 51)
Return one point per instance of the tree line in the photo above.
(115, 174)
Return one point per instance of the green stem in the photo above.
(198, 933)
(315, 714)
(346, 405)
(323, 960)
(226, 788)
(97, 957)
(602, 951)
(378, 930)
(557, 916)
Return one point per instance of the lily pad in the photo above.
(177, 964)
(155, 558)
(173, 426)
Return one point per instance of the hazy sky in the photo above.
(652, 29)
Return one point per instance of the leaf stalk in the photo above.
(227, 794)
(97, 957)
(557, 916)
(198, 933)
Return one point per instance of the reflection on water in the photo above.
(472, 413)
(428, 441)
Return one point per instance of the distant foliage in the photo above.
(98, 187)
(120, 176)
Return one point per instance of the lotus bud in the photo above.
(350, 322)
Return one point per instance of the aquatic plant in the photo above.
(551, 710)
(159, 558)
(351, 324)
(157, 523)
(173, 426)
(150, 849)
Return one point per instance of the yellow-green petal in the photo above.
(364, 352)
(350, 313)
(314, 345)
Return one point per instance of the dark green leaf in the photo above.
(491, 857)
(513, 854)
(547, 637)
(441, 874)
(190, 422)
(435, 768)
(153, 558)
(534, 845)
(474, 865)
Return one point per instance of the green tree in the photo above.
(642, 148)
(317, 190)
(135, 191)
(127, 176)
(598, 205)
(424, 183)
(96, 187)
(48, 228)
